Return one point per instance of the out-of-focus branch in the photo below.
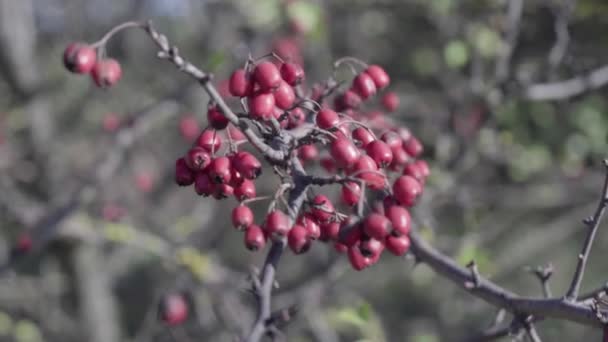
(513, 23)
(593, 80)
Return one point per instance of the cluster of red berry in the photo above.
(81, 58)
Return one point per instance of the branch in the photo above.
(593, 225)
(514, 13)
(569, 88)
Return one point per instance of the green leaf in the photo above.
(456, 54)
(307, 14)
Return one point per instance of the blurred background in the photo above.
(86, 174)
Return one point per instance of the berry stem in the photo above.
(129, 24)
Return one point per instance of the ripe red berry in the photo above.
(311, 224)
(399, 218)
(203, 184)
(400, 157)
(219, 170)
(406, 190)
(340, 247)
(174, 309)
(308, 153)
(322, 208)
(292, 73)
(221, 191)
(284, 95)
(183, 174)
(372, 248)
(254, 238)
(79, 58)
(106, 72)
(188, 127)
(261, 106)
(329, 231)
(357, 260)
(245, 190)
(329, 164)
(239, 85)
(378, 75)
(413, 147)
(276, 224)
(351, 193)
(398, 245)
(380, 152)
(247, 165)
(327, 118)
(413, 170)
(390, 101)
(352, 234)
(376, 226)
(350, 99)
(236, 134)
(298, 239)
(216, 118)
(210, 140)
(242, 217)
(267, 76)
(364, 85)
(423, 166)
(392, 139)
(295, 118)
(366, 169)
(362, 136)
(344, 152)
(197, 158)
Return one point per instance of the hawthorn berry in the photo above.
(398, 245)
(372, 248)
(350, 99)
(292, 73)
(392, 139)
(390, 101)
(329, 164)
(423, 166)
(267, 76)
(298, 239)
(254, 238)
(236, 178)
(344, 152)
(351, 193)
(106, 72)
(329, 231)
(276, 224)
(219, 170)
(79, 58)
(197, 158)
(236, 134)
(221, 191)
(247, 164)
(311, 224)
(239, 84)
(308, 153)
(183, 174)
(322, 208)
(357, 260)
(406, 190)
(327, 119)
(400, 219)
(413, 147)
(340, 247)
(284, 95)
(216, 118)
(188, 127)
(245, 190)
(295, 118)
(362, 136)
(261, 106)
(380, 152)
(376, 226)
(352, 234)
(364, 85)
(378, 75)
(209, 140)
(412, 169)
(366, 169)
(242, 217)
(203, 184)
(173, 309)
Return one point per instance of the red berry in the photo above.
(423, 167)
(298, 239)
(242, 217)
(413, 147)
(174, 309)
(106, 72)
(413, 170)
(216, 118)
(327, 118)
(210, 140)
(295, 118)
(357, 260)
(390, 101)
(308, 153)
(350, 99)
(376, 226)
(239, 84)
(329, 231)
(183, 174)
(197, 158)
(406, 190)
(344, 152)
(144, 181)
(372, 248)
(311, 224)
(380, 152)
(400, 157)
(79, 58)
(322, 208)
(292, 73)
(277, 224)
(284, 95)
(366, 169)
(399, 218)
(236, 134)
(203, 184)
(245, 190)
(236, 178)
(221, 191)
(254, 238)
(362, 136)
(329, 164)
(261, 106)
(364, 85)
(267, 76)
(351, 193)
(398, 245)
(380, 77)
(188, 127)
(352, 235)
(247, 165)
(219, 170)
(340, 247)
(392, 139)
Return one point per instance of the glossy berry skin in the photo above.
(236, 178)
(183, 175)
(79, 58)
(267, 76)
(344, 152)
(276, 224)
(392, 139)
(400, 219)
(372, 248)
(219, 170)
(308, 153)
(239, 85)
(284, 96)
(327, 119)
(221, 191)
(406, 190)
(261, 106)
(311, 224)
(380, 152)
(188, 128)
(378, 75)
(357, 260)
(400, 157)
(209, 140)
(362, 136)
(322, 208)
(329, 231)
(298, 239)
(398, 245)
(247, 165)
(364, 86)
(377, 226)
(350, 99)
(245, 190)
(174, 309)
(351, 193)
(203, 184)
(216, 118)
(390, 101)
(412, 169)
(254, 238)
(413, 147)
(292, 73)
(106, 72)
(352, 235)
(423, 166)
(366, 169)
(197, 158)
(242, 217)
